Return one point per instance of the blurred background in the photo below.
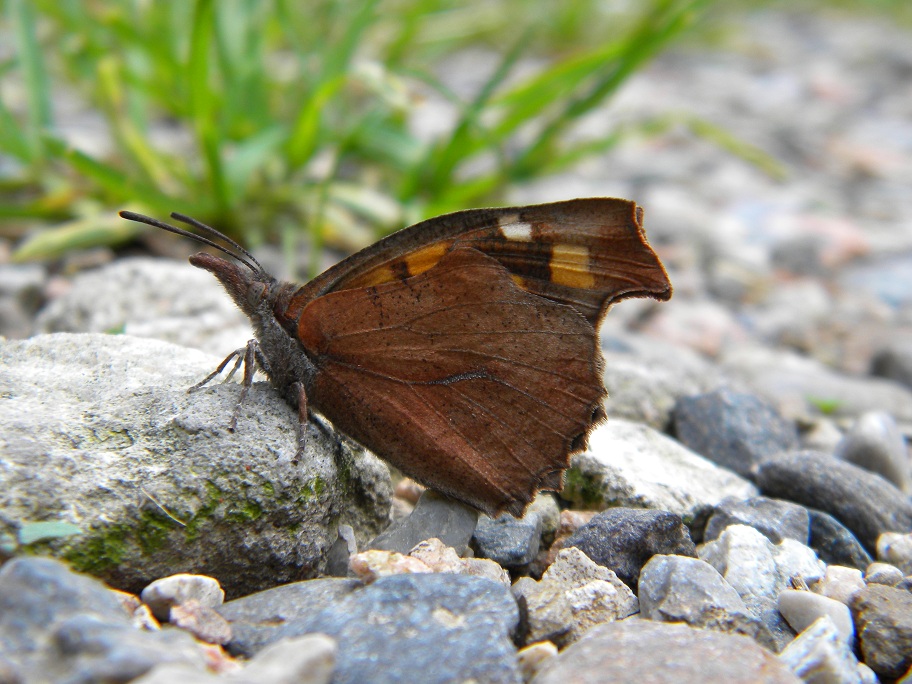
(770, 143)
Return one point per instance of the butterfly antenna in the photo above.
(244, 257)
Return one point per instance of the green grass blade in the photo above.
(31, 61)
(79, 234)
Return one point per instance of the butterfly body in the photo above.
(463, 350)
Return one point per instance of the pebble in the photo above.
(883, 573)
(573, 595)
(774, 518)
(511, 542)
(839, 583)
(875, 443)
(308, 659)
(165, 593)
(864, 502)
(201, 621)
(884, 618)
(894, 362)
(821, 655)
(896, 549)
(635, 650)
(803, 608)
(532, 657)
(834, 543)
(267, 617)
(754, 566)
(683, 589)
(624, 539)
(735, 430)
(435, 516)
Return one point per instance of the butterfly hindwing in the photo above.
(434, 374)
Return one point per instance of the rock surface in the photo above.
(100, 432)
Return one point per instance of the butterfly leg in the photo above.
(249, 356)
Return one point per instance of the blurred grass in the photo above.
(271, 118)
(267, 117)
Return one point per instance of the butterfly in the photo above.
(463, 350)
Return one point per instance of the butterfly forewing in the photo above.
(435, 374)
(586, 253)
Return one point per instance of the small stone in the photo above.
(201, 621)
(409, 490)
(884, 618)
(623, 539)
(820, 655)
(574, 594)
(282, 612)
(435, 516)
(440, 558)
(636, 650)
(369, 566)
(774, 518)
(896, 549)
(839, 583)
(835, 544)
(162, 594)
(875, 443)
(802, 608)
(308, 659)
(337, 558)
(735, 430)
(683, 589)
(511, 542)
(533, 657)
(883, 573)
(894, 362)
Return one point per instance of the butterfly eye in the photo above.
(255, 293)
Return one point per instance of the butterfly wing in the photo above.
(458, 377)
(587, 253)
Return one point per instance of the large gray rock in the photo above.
(630, 464)
(99, 431)
(58, 626)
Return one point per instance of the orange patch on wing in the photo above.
(425, 259)
(570, 266)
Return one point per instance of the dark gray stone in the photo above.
(56, 625)
(895, 363)
(735, 430)
(427, 627)
(767, 611)
(267, 616)
(864, 502)
(775, 519)
(883, 619)
(635, 651)
(435, 515)
(683, 589)
(835, 544)
(511, 542)
(624, 539)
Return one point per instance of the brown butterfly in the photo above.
(463, 350)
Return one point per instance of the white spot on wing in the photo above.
(515, 230)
